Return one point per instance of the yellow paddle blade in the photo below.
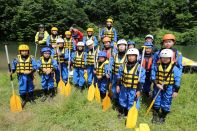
(149, 108)
(15, 103)
(67, 89)
(86, 76)
(106, 102)
(144, 127)
(97, 94)
(137, 129)
(61, 86)
(132, 116)
(91, 92)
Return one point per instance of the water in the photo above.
(187, 51)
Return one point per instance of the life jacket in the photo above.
(109, 33)
(53, 40)
(61, 58)
(68, 43)
(24, 65)
(89, 38)
(109, 52)
(162, 74)
(90, 58)
(117, 63)
(130, 79)
(45, 64)
(79, 60)
(100, 69)
(40, 36)
(147, 63)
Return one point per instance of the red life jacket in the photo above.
(108, 52)
(147, 63)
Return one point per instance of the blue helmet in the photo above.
(148, 44)
(130, 42)
(45, 49)
(102, 54)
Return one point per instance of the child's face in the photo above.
(46, 54)
(109, 24)
(68, 36)
(149, 50)
(80, 48)
(132, 58)
(168, 43)
(61, 45)
(121, 47)
(41, 29)
(131, 46)
(54, 32)
(90, 47)
(101, 59)
(24, 52)
(89, 33)
(148, 39)
(166, 60)
(107, 44)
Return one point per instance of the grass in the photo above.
(76, 113)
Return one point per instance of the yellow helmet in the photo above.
(23, 47)
(54, 29)
(67, 33)
(90, 30)
(110, 20)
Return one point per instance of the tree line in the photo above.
(133, 19)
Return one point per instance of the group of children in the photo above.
(121, 69)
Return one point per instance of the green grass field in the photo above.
(76, 113)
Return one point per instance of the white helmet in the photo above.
(122, 41)
(166, 53)
(133, 51)
(89, 42)
(80, 43)
(149, 36)
(59, 40)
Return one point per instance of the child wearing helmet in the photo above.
(47, 66)
(166, 77)
(131, 44)
(108, 48)
(109, 31)
(117, 60)
(25, 66)
(90, 36)
(69, 42)
(102, 73)
(41, 36)
(169, 41)
(147, 64)
(129, 81)
(51, 40)
(91, 52)
(79, 59)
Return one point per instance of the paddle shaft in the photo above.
(143, 53)
(36, 50)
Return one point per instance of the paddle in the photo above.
(15, 102)
(68, 86)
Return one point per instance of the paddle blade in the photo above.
(61, 86)
(86, 76)
(110, 90)
(106, 102)
(97, 94)
(91, 92)
(149, 108)
(67, 89)
(132, 116)
(144, 127)
(15, 103)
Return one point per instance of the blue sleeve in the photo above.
(84, 40)
(95, 41)
(155, 57)
(107, 70)
(14, 63)
(34, 64)
(120, 72)
(66, 55)
(177, 76)
(102, 33)
(74, 46)
(48, 41)
(153, 72)
(115, 35)
(142, 75)
(72, 56)
(55, 65)
(38, 64)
